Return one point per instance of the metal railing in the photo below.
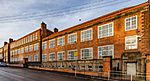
(95, 66)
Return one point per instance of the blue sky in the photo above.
(70, 12)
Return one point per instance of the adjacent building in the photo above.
(28, 46)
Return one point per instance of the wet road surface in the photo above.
(21, 74)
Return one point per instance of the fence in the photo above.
(93, 68)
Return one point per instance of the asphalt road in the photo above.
(20, 74)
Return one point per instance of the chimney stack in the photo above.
(10, 40)
(5, 43)
(43, 26)
(55, 30)
(43, 29)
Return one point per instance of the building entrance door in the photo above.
(131, 68)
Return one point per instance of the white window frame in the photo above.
(74, 58)
(30, 48)
(36, 59)
(131, 23)
(18, 51)
(22, 50)
(36, 47)
(53, 53)
(86, 39)
(30, 58)
(107, 29)
(44, 59)
(70, 38)
(91, 53)
(44, 45)
(36, 36)
(52, 45)
(131, 37)
(99, 57)
(27, 49)
(63, 41)
(58, 59)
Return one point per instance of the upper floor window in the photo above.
(36, 36)
(26, 49)
(61, 41)
(51, 56)
(18, 51)
(52, 43)
(105, 30)
(44, 45)
(35, 46)
(30, 48)
(72, 55)
(22, 50)
(86, 35)
(72, 38)
(86, 53)
(107, 50)
(60, 55)
(131, 42)
(131, 23)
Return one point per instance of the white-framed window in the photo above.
(22, 50)
(30, 47)
(26, 49)
(44, 57)
(131, 23)
(18, 51)
(52, 56)
(36, 36)
(86, 35)
(72, 54)
(87, 53)
(131, 42)
(61, 41)
(44, 45)
(52, 43)
(107, 50)
(60, 55)
(33, 37)
(106, 30)
(72, 38)
(35, 46)
(36, 58)
(30, 58)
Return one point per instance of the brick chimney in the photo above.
(10, 40)
(5, 43)
(43, 29)
(55, 30)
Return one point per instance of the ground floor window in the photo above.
(36, 57)
(60, 55)
(30, 58)
(87, 53)
(72, 55)
(44, 57)
(107, 50)
(51, 56)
